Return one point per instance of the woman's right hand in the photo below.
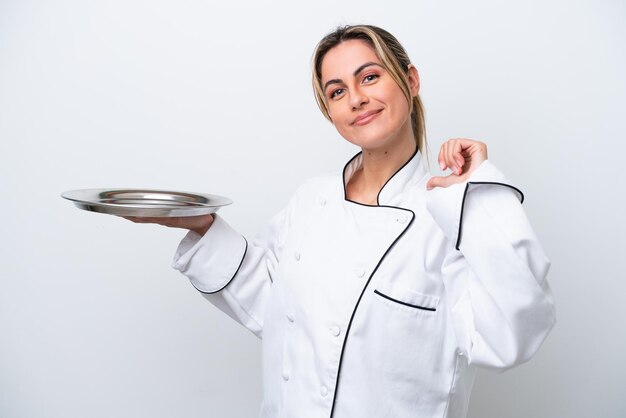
(198, 224)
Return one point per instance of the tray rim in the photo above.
(93, 205)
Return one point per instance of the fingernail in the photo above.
(442, 165)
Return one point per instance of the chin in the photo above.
(370, 140)
(378, 134)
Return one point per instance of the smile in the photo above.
(367, 117)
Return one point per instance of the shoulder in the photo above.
(316, 189)
(330, 182)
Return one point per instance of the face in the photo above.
(365, 104)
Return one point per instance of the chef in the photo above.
(379, 290)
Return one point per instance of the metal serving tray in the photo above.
(145, 202)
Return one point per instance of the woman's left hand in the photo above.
(462, 156)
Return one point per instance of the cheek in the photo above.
(395, 97)
(336, 117)
(332, 110)
(341, 126)
(400, 108)
(342, 130)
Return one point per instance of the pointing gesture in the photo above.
(462, 156)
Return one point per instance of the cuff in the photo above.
(211, 261)
(446, 204)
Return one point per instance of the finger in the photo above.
(472, 147)
(147, 220)
(450, 163)
(476, 153)
(445, 151)
(458, 155)
(452, 150)
(440, 181)
(432, 183)
(441, 157)
(467, 143)
(131, 218)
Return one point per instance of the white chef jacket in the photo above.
(385, 310)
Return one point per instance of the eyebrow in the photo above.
(358, 70)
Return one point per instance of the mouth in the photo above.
(367, 117)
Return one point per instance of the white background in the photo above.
(216, 97)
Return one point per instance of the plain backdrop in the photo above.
(215, 97)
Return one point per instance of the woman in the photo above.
(379, 291)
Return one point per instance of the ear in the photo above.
(414, 80)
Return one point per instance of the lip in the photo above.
(367, 117)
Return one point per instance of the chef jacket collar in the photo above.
(408, 174)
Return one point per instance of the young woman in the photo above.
(378, 291)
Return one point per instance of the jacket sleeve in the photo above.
(494, 271)
(232, 273)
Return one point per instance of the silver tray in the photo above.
(145, 202)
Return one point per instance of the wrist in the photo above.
(204, 225)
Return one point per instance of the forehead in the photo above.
(341, 61)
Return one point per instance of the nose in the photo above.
(358, 99)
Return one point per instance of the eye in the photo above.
(335, 93)
(370, 78)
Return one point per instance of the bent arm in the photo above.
(494, 272)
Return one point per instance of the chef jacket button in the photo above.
(401, 218)
(290, 317)
(296, 255)
(335, 331)
(323, 391)
(359, 272)
(285, 376)
(322, 201)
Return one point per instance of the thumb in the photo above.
(440, 181)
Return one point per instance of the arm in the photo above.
(230, 272)
(494, 271)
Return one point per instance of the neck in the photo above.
(377, 168)
(379, 165)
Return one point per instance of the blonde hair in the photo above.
(392, 56)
